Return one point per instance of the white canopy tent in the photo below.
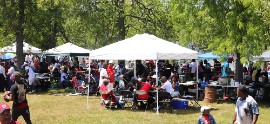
(143, 47)
(67, 49)
(265, 56)
(26, 48)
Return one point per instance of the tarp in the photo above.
(26, 48)
(67, 49)
(209, 55)
(266, 56)
(143, 46)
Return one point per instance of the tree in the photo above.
(106, 21)
(225, 27)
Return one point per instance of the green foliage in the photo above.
(224, 27)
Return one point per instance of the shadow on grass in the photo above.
(56, 91)
(190, 110)
(261, 103)
(264, 104)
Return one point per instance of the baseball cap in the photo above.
(3, 107)
(205, 108)
(111, 61)
(230, 58)
(154, 76)
(134, 79)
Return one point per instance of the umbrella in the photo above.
(8, 56)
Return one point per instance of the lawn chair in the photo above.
(127, 97)
(164, 99)
(141, 101)
(108, 103)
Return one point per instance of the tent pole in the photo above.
(157, 84)
(197, 79)
(134, 66)
(89, 76)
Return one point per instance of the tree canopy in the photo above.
(225, 27)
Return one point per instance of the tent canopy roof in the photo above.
(143, 46)
(26, 48)
(209, 55)
(68, 49)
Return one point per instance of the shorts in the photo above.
(31, 81)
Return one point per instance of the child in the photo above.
(206, 117)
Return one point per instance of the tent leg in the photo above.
(197, 79)
(157, 85)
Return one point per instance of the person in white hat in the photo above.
(110, 71)
(206, 117)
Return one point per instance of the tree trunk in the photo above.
(238, 69)
(20, 35)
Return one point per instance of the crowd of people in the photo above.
(113, 78)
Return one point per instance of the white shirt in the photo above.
(28, 58)
(31, 73)
(104, 73)
(11, 70)
(2, 71)
(245, 110)
(193, 66)
(63, 74)
(168, 87)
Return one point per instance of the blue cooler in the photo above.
(177, 103)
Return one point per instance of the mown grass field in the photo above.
(49, 108)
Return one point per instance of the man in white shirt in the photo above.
(167, 86)
(2, 77)
(103, 74)
(246, 110)
(31, 77)
(193, 66)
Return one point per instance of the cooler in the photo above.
(177, 103)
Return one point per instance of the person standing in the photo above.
(110, 71)
(226, 71)
(2, 77)
(11, 70)
(193, 68)
(103, 74)
(246, 110)
(207, 72)
(206, 117)
(17, 94)
(31, 77)
(217, 66)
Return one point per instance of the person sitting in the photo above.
(132, 84)
(206, 117)
(175, 86)
(145, 86)
(167, 86)
(64, 78)
(109, 95)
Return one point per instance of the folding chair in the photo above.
(127, 97)
(164, 98)
(107, 103)
(142, 101)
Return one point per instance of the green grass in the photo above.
(49, 108)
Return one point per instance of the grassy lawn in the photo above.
(49, 108)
